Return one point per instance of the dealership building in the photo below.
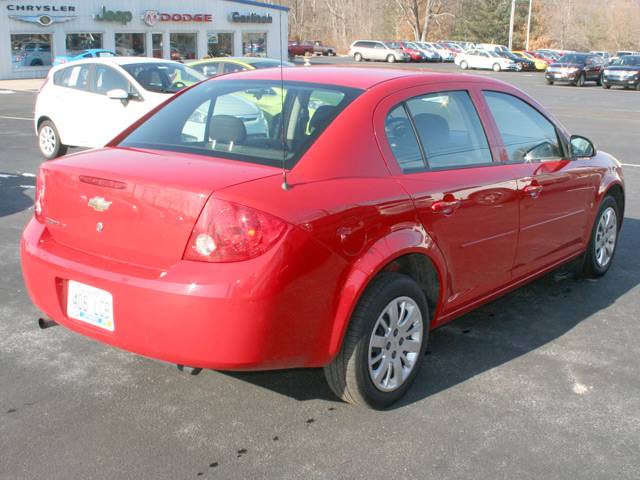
(32, 34)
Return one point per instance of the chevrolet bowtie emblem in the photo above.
(99, 204)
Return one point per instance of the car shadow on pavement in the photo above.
(496, 333)
(13, 193)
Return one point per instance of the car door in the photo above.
(593, 68)
(380, 51)
(71, 105)
(554, 191)
(438, 150)
(114, 115)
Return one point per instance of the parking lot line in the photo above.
(630, 165)
(16, 118)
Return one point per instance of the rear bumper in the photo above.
(251, 315)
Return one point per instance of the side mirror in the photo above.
(118, 94)
(581, 147)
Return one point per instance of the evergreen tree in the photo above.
(487, 21)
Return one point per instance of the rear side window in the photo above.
(403, 141)
(449, 131)
(250, 121)
(73, 77)
(526, 134)
(232, 67)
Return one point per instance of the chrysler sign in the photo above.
(151, 17)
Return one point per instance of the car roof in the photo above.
(362, 78)
(114, 61)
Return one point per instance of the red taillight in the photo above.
(228, 232)
(38, 205)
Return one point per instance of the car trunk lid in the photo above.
(134, 206)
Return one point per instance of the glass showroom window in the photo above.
(183, 46)
(76, 42)
(130, 44)
(156, 47)
(30, 50)
(254, 44)
(220, 44)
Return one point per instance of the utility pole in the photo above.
(529, 25)
(513, 14)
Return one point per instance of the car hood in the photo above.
(624, 68)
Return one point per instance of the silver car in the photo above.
(377, 50)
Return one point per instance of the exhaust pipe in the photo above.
(46, 323)
(189, 370)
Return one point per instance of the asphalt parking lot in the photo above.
(543, 383)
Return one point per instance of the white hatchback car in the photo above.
(88, 102)
(484, 59)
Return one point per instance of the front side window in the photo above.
(230, 67)
(30, 50)
(254, 44)
(76, 43)
(130, 44)
(249, 121)
(526, 134)
(106, 79)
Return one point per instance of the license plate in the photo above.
(559, 75)
(90, 305)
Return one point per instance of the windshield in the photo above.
(630, 61)
(163, 77)
(270, 64)
(573, 58)
(249, 121)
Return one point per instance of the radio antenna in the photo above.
(285, 185)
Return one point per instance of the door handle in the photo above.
(533, 190)
(446, 207)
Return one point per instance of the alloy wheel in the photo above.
(395, 344)
(48, 140)
(606, 235)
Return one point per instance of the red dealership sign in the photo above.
(151, 17)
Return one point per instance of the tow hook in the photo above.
(190, 370)
(46, 323)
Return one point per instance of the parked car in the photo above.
(376, 50)
(212, 67)
(33, 54)
(394, 219)
(484, 59)
(300, 48)
(491, 47)
(415, 53)
(576, 69)
(539, 64)
(550, 57)
(606, 56)
(522, 64)
(88, 102)
(625, 72)
(428, 51)
(320, 49)
(446, 54)
(90, 53)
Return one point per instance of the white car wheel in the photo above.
(496, 67)
(464, 65)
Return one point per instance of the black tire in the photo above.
(549, 82)
(607, 87)
(391, 58)
(580, 81)
(36, 63)
(599, 81)
(638, 86)
(357, 57)
(57, 149)
(348, 374)
(591, 267)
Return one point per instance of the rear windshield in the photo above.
(163, 77)
(250, 121)
(573, 58)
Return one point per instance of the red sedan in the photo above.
(330, 223)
